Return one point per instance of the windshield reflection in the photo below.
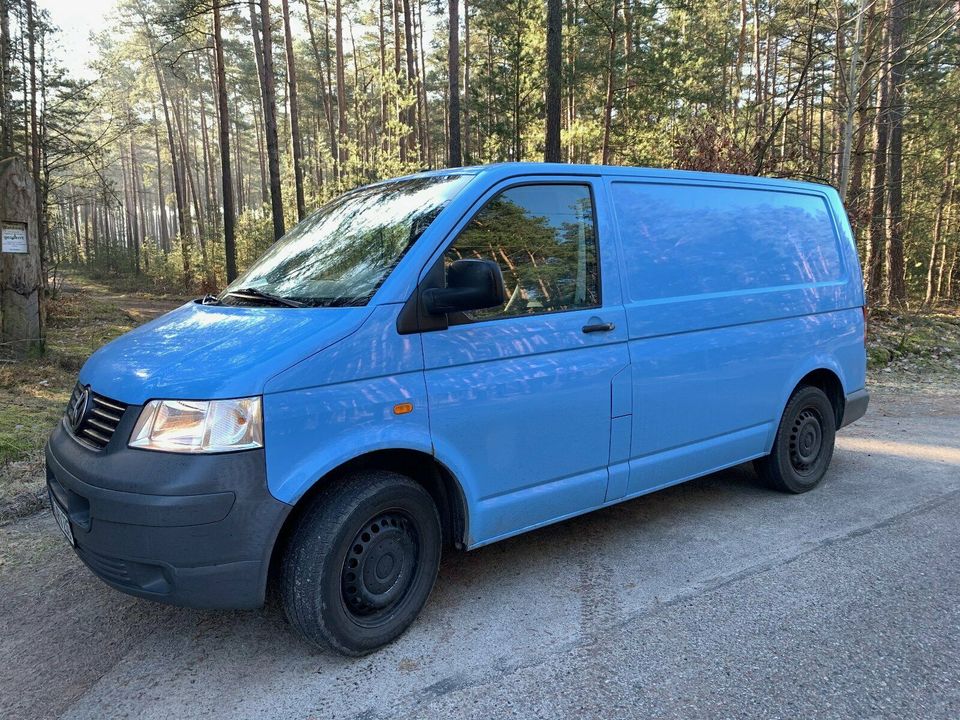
(344, 251)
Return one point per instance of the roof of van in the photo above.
(510, 169)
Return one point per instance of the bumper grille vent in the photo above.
(94, 421)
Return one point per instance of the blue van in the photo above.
(453, 358)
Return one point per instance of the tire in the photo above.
(803, 447)
(361, 563)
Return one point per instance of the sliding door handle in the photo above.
(598, 327)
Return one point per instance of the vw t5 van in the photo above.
(450, 359)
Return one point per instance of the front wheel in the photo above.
(361, 563)
(803, 446)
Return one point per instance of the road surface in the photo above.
(714, 598)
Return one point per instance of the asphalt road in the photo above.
(717, 598)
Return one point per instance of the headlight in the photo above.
(195, 426)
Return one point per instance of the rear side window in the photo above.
(544, 239)
(682, 240)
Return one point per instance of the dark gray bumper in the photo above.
(194, 530)
(855, 406)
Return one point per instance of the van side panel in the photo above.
(732, 294)
(710, 399)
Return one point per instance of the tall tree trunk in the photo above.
(75, 217)
(363, 150)
(401, 81)
(454, 150)
(608, 104)
(323, 67)
(551, 152)
(161, 199)
(426, 151)
(852, 84)
(6, 82)
(468, 130)
(180, 114)
(896, 287)
(741, 57)
(757, 72)
(341, 85)
(945, 194)
(258, 117)
(411, 119)
(270, 122)
(294, 113)
(872, 50)
(878, 184)
(141, 210)
(382, 38)
(34, 129)
(946, 270)
(223, 117)
(129, 224)
(571, 63)
(210, 201)
(261, 158)
(240, 197)
(951, 273)
(136, 200)
(518, 45)
(175, 165)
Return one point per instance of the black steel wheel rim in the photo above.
(380, 567)
(806, 441)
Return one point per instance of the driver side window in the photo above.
(543, 238)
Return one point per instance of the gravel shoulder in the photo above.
(713, 598)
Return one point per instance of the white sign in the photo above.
(14, 239)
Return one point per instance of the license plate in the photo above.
(62, 520)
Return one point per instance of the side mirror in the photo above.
(471, 285)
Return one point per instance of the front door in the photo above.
(520, 395)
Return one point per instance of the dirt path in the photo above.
(140, 308)
(716, 597)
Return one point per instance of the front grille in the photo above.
(100, 420)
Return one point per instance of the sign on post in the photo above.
(14, 238)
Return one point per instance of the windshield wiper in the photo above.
(209, 299)
(252, 292)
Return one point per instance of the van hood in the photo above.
(207, 352)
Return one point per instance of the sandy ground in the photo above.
(714, 598)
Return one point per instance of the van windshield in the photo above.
(342, 253)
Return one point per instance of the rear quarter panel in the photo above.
(713, 365)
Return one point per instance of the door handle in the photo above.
(598, 327)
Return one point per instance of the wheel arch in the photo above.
(423, 468)
(829, 382)
(824, 374)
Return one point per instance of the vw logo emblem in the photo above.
(78, 408)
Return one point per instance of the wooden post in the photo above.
(20, 281)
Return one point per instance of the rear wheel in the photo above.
(362, 562)
(804, 443)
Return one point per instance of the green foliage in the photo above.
(686, 84)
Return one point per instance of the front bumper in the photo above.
(194, 530)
